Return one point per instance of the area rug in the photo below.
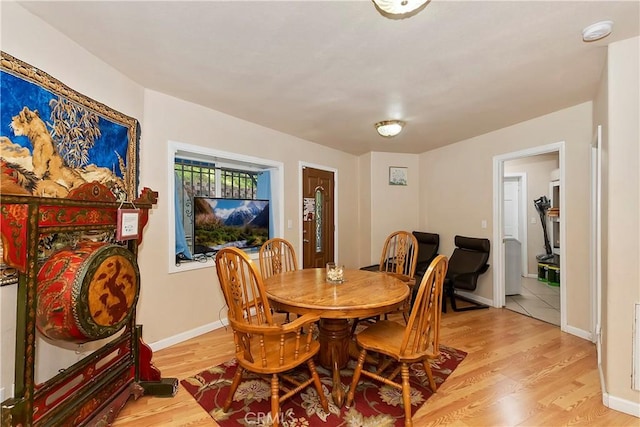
(375, 404)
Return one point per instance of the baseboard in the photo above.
(475, 298)
(580, 333)
(177, 339)
(621, 405)
(569, 329)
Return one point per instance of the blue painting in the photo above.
(53, 139)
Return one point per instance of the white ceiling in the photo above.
(326, 71)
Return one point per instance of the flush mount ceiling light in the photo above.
(399, 7)
(597, 31)
(389, 128)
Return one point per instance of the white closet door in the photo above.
(511, 200)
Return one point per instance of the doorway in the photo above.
(318, 217)
(515, 211)
(503, 166)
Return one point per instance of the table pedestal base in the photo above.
(334, 352)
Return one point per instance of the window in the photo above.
(199, 171)
(202, 179)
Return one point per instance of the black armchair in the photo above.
(467, 263)
(428, 244)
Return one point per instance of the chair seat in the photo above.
(415, 342)
(273, 355)
(262, 346)
(386, 337)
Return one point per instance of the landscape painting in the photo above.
(53, 139)
(221, 223)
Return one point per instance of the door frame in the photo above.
(522, 218)
(301, 165)
(499, 299)
(596, 239)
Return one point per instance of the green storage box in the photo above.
(553, 275)
(542, 272)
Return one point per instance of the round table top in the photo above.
(362, 294)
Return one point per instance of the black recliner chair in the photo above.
(428, 244)
(466, 264)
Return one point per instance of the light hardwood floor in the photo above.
(519, 372)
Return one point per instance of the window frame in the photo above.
(222, 159)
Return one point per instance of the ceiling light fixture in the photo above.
(389, 128)
(399, 7)
(597, 31)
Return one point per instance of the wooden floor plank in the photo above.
(519, 372)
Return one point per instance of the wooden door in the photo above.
(318, 217)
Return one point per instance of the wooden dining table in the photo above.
(362, 294)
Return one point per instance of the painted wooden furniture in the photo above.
(77, 293)
(362, 294)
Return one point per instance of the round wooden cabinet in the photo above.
(87, 292)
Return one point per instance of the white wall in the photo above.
(459, 193)
(622, 200)
(393, 207)
(601, 118)
(364, 209)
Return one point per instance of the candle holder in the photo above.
(335, 273)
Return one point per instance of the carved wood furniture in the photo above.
(398, 258)
(417, 342)
(277, 256)
(262, 346)
(363, 294)
(77, 293)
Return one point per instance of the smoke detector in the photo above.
(597, 31)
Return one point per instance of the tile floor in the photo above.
(538, 300)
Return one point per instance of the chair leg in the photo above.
(237, 377)
(406, 396)
(448, 293)
(405, 315)
(427, 369)
(451, 293)
(452, 298)
(275, 400)
(318, 384)
(356, 377)
(353, 326)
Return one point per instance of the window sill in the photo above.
(189, 265)
(203, 262)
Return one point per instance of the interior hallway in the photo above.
(538, 300)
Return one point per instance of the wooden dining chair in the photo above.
(418, 341)
(398, 258)
(262, 346)
(277, 256)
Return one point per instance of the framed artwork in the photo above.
(54, 139)
(127, 224)
(397, 175)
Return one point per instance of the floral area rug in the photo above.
(375, 404)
